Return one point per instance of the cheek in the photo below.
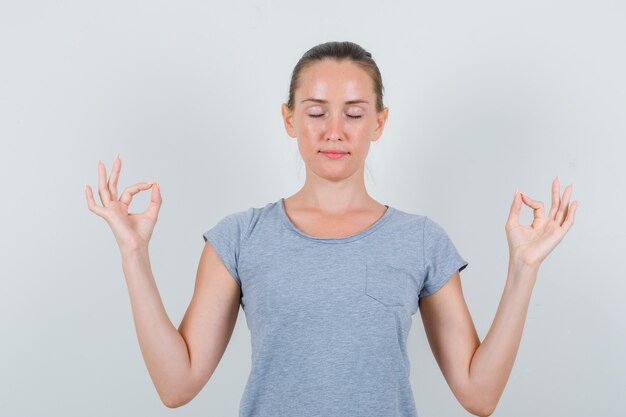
(312, 128)
(309, 137)
(307, 146)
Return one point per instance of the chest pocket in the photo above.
(386, 284)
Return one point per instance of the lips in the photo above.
(334, 154)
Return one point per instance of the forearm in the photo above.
(492, 362)
(163, 348)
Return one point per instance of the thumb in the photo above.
(155, 201)
(514, 212)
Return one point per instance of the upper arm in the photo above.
(451, 334)
(210, 318)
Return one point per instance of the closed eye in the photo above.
(320, 115)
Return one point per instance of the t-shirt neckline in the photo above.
(377, 224)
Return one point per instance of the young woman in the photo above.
(329, 278)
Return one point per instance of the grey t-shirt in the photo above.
(329, 317)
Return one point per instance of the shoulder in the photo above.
(409, 222)
(423, 225)
(240, 219)
(432, 228)
(406, 218)
(241, 223)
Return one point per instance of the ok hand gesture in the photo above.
(531, 244)
(131, 230)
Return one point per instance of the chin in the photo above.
(332, 174)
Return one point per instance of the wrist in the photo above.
(134, 251)
(519, 270)
(523, 261)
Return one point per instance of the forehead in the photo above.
(328, 79)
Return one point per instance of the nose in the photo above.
(335, 128)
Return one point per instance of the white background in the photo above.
(484, 96)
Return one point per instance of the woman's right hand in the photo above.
(131, 230)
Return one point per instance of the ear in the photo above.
(381, 119)
(288, 120)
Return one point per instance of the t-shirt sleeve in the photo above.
(227, 236)
(441, 258)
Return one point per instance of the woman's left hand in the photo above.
(531, 244)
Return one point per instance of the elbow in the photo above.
(479, 400)
(174, 401)
(178, 394)
(479, 405)
(481, 410)
(171, 402)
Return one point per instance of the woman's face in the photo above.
(334, 109)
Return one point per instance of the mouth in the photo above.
(334, 154)
(333, 151)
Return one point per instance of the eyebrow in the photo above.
(317, 100)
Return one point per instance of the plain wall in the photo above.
(484, 97)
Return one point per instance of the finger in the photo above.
(569, 220)
(560, 215)
(131, 190)
(556, 197)
(537, 207)
(155, 202)
(91, 203)
(103, 191)
(115, 174)
(514, 212)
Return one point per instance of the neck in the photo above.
(333, 197)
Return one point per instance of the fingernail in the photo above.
(158, 185)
